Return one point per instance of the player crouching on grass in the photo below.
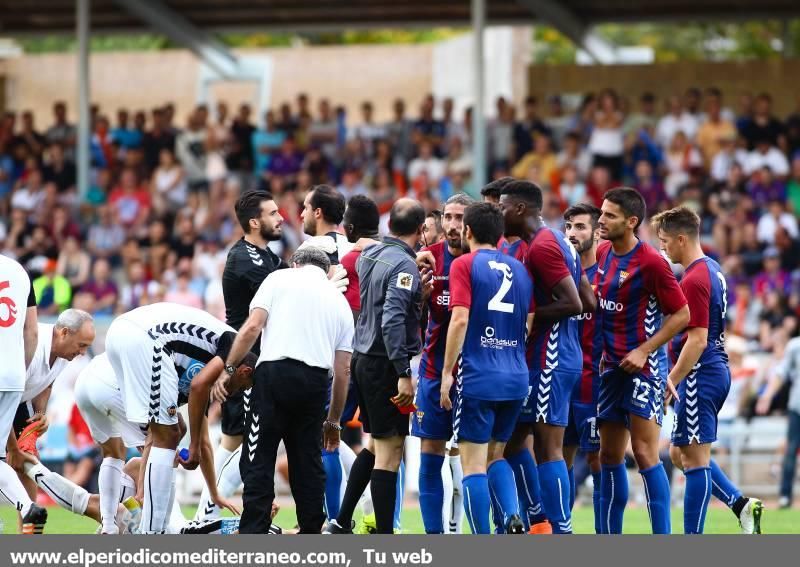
(700, 379)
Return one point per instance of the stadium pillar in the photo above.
(479, 176)
(83, 154)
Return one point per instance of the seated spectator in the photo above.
(266, 141)
(351, 184)
(155, 248)
(542, 157)
(138, 290)
(764, 188)
(650, 187)
(598, 184)
(765, 154)
(319, 168)
(106, 236)
(793, 187)
(676, 120)
(38, 249)
(383, 192)
(184, 242)
(63, 226)
(681, 159)
(762, 127)
(182, 294)
(789, 247)
(98, 191)
(772, 278)
(130, 202)
(100, 293)
(74, 262)
(715, 129)
(168, 184)
(285, 164)
(426, 163)
(458, 159)
(190, 148)
(776, 216)
(30, 196)
(53, 291)
(59, 170)
(571, 189)
(369, 132)
(18, 232)
(726, 157)
(573, 155)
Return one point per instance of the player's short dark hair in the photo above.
(250, 360)
(362, 213)
(436, 215)
(485, 220)
(330, 201)
(494, 188)
(630, 201)
(249, 207)
(524, 191)
(584, 209)
(680, 220)
(406, 217)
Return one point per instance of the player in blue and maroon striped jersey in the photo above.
(581, 228)
(641, 307)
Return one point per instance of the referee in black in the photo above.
(386, 338)
(248, 264)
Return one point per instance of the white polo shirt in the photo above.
(40, 374)
(309, 319)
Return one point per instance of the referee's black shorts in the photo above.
(376, 381)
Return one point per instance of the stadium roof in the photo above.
(54, 16)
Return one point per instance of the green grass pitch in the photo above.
(720, 521)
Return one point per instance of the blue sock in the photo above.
(333, 482)
(431, 492)
(656, 489)
(401, 492)
(722, 487)
(504, 489)
(613, 497)
(497, 514)
(526, 476)
(554, 480)
(695, 499)
(596, 501)
(476, 502)
(572, 488)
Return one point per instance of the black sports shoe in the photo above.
(333, 528)
(514, 525)
(33, 522)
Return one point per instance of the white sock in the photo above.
(347, 456)
(158, 475)
(207, 509)
(11, 489)
(447, 483)
(457, 510)
(109, 481)
(229, 478)
(128, 487)
(64, 492)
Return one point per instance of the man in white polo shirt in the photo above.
(307, 331)
(18, 337)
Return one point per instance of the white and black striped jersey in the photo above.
(186, 334)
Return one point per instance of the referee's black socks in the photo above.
(356, 485)
(384, 492)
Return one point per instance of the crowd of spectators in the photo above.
(157, 219)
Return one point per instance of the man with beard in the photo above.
(323, 211)
(582, 231)
(249, 262)
(432, 423)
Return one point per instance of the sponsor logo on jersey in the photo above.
(405, 281)
(611, 305)
(489, 340)
(443, 299)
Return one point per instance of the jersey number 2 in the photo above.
(497, 303)
(8, 316)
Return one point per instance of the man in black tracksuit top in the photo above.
(249, 263)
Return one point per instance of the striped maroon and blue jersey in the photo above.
(497, 291)
(550, 259)
(587, 387)
(516, 250)
(634, 292)
(432, 361)
(706, 291)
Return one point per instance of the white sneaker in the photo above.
(750, 516)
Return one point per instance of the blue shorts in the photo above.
(622, 394)
(481, 421)
(430, 421)
(701, 394)
(549, 396)
(350, 403)
(582, 430)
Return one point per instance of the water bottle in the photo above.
(135, 511)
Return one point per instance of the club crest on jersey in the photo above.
(623, 275)
(405, 281)
(172, 410)
(420, 416)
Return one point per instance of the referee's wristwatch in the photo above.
(230, 369)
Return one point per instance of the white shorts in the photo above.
(147, 376)
(102, 407)
(9, 401)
